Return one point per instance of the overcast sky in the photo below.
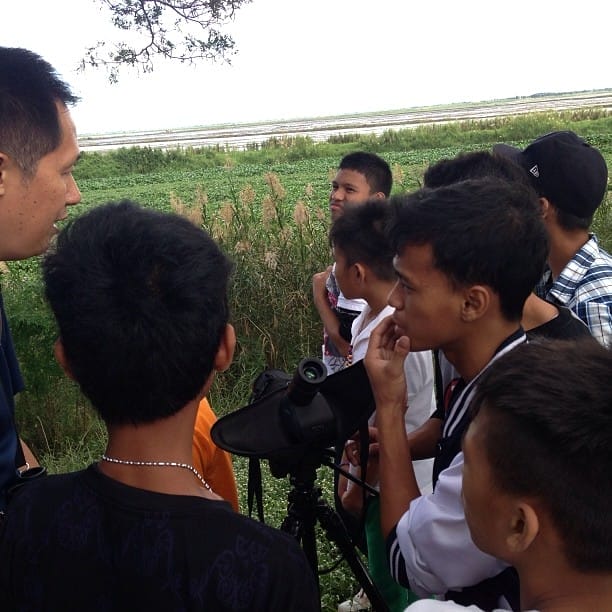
(327, 57)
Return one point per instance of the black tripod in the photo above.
(306, 506)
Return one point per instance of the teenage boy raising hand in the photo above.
(360, 176)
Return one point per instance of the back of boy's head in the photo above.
(483, 231)
(361, 235)
(473, 165)
(548, 424)
(140, 299)
(375, 169)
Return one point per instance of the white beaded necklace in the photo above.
(176, 464)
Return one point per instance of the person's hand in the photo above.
(384, 363)
(373, 447)
(352, 447)
(338, 341)
(318, 281)
(328, 316)
(373, 471)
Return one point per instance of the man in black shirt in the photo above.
(140, 299)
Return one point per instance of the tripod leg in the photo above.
(337, 533)
(305, 535)
(300, 523)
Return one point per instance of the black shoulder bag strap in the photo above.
(254, 488)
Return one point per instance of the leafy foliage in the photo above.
(183, 30)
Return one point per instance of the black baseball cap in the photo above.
(564, 169)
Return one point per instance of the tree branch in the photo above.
(184, 31)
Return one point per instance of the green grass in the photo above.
(268, 210)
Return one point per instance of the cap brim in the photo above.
(507, 151)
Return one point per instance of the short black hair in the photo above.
(482, 231)
(30, 89)
(375, 169)
(140, 299)
(473, 165)
(360, 233)
(548, 432)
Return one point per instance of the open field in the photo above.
(238, 136)
(268, 210)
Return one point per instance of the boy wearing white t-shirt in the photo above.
(364, 269)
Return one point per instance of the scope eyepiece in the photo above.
(309, 375)
(313, 370)
(305, 414)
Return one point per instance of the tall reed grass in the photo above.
(276, 245)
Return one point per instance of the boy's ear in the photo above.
(477, 299)
(60, 357)
(360, 271)
(379, 195)
(544, 207)
(524, 528)
(225, 352)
